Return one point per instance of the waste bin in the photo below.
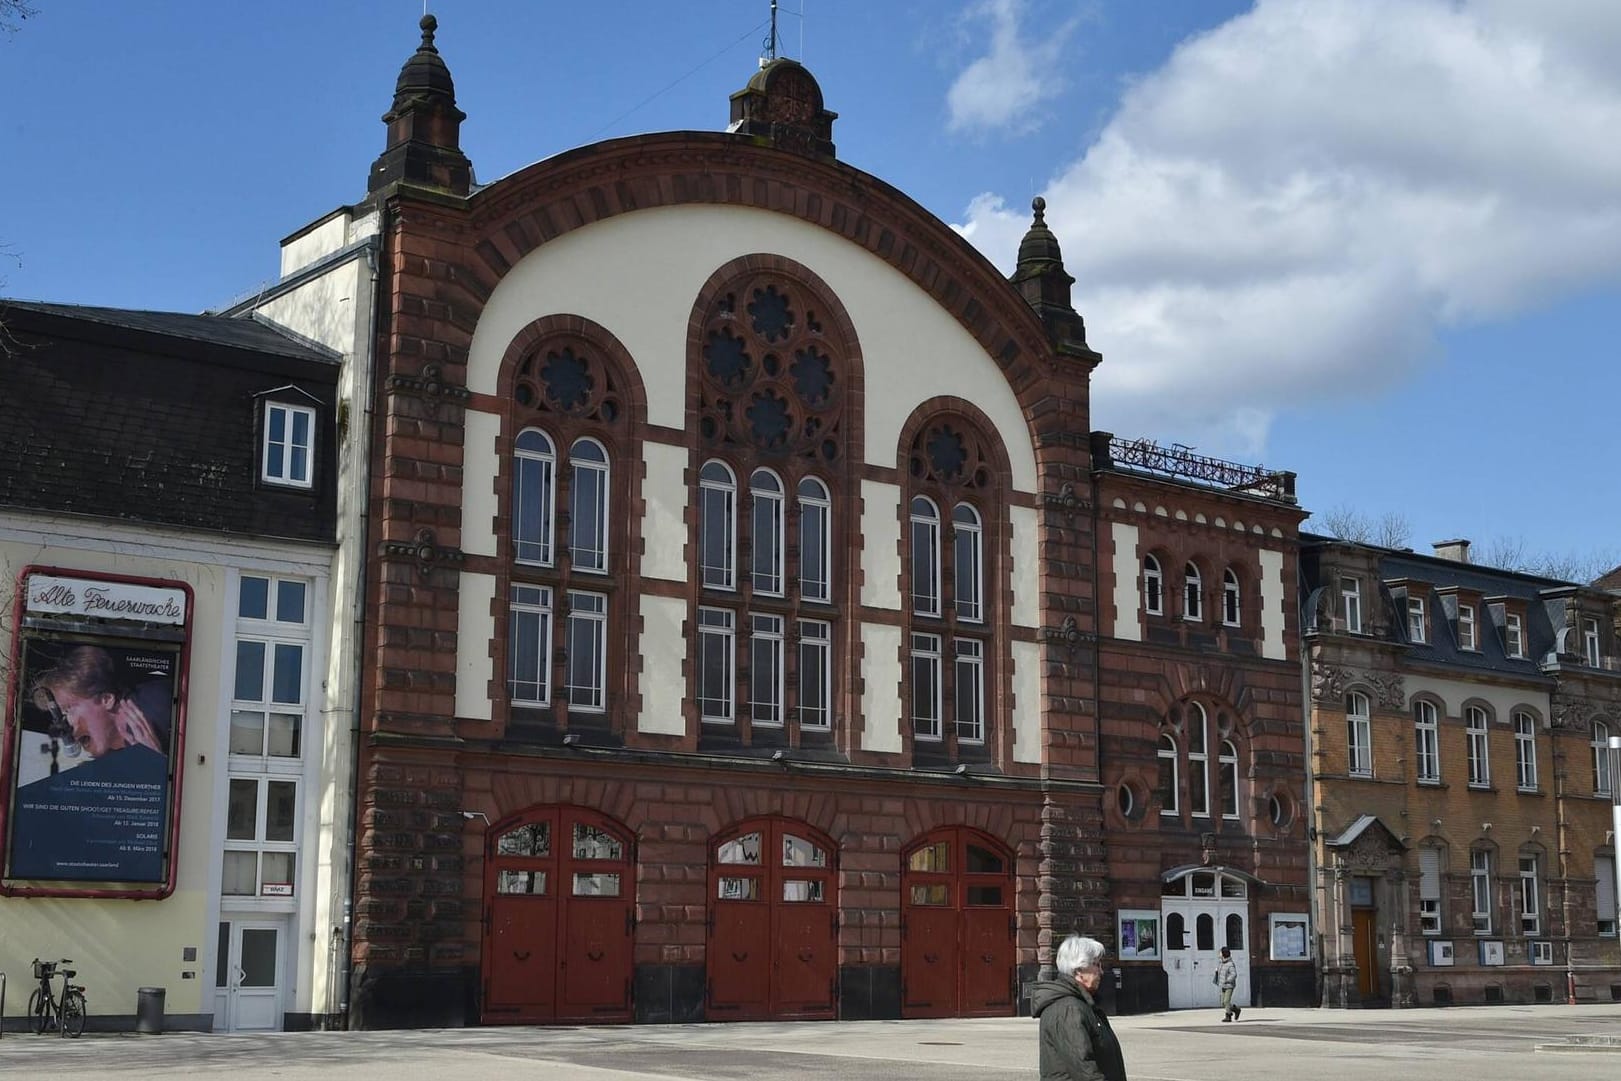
(149, 1009)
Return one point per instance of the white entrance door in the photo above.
(247, 982)
(1196, 928)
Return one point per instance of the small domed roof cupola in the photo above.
(1042, 281)
(782, 105)
(424, 126)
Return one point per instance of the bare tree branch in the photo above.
(12, 14)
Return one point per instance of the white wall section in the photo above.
(1125, 562)
(881, 687)
(479, 469)
(1027, 701)
(475, 629)
(664, 528)
(1273, 647)
(663, 649)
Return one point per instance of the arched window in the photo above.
(717, 526)
(1153, 586)
(815, 541)
(925, 557)
(968, 549)
(1231, 609)
(1170, 785)
(1480, 773)
(588, 509)
(1198, 733)
(1358, 735)
(1229, 779)
(1426, 742)
(533, 495)
(1601, 759)
(1192, 593)
(1235, 932)
(766, 533)
(1525, 750)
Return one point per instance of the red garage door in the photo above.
(557, 944)
(772, 947)
(957, 926)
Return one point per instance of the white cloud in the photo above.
(1299, 200)
(1001, 90)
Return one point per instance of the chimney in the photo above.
(1455, 550)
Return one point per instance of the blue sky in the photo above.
(1377, 242)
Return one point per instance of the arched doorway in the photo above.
(957, 926)
(559, 882)
(773, 922)
(1204, 910)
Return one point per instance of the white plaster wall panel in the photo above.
(1128, 624)
(664, 528)
(663, 648)
(881, 545)
(1273, 647)
(881, 687)
(678, 248)
(324, 309)
(1027, 701)
(1502, 700)
(475, 630)
(1026, 567)
(314, 243)
(479, 466)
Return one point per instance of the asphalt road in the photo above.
(1460, 1044)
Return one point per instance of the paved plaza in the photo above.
(1460, 1044)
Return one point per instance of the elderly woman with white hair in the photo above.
(1077, 1043)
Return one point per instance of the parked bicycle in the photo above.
(47, 1009)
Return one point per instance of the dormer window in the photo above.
(1416, 623)
(1514, 635)
(1351, 604)
(289, 445)
(1590, 642)
(1466, 627)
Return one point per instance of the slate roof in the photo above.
(153, 417)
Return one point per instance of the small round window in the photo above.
(1281, 809)
(1131, 802)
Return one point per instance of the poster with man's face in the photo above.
(93, 751)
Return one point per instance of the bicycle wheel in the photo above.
(73, 1011)
(39, 1012)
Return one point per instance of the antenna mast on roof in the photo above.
(771, 40)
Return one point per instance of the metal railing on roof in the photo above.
(1178, 461)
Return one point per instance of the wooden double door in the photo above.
(957, 926)
(772, 947)
(559, 885)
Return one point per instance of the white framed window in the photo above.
(1153, 586)
(588, 506)
(1358, 735)
(1232, 609)
(717, 526)
(926, 686)
(1198, 734)
(534, 495)
(268, 704)
(1514, 635)
(1604, 871)
(1478, 744)
(1480, 890)
(261, 837)
(1530, 897)
(717, 685)
(1417, 623)
(1289, 937)
(1426, 741)
(766, 533)
(289, 445)
(1466, 627)
(925, 557)
(529, 645)
(1170, 784)
(968, 544)
(765, 670)
(1590, 642)
(969, 690)
(1351, 604)
(1192, 593)
(1228, 771)
(1429, 890)
(1542, 953)
(587, 651)
(815, 541)
(1601, 759)
(1525, 751)
(815, 673)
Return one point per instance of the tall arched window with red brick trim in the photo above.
(769, 381)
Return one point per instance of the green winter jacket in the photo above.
(1077, 1043)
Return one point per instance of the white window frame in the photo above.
(1530, 896)
(1602, 781)
(925, 562)
(717, 505)
(1417, 621)
(968, 563)
(767, 555)
(1525, 751)
(1170, 794)
(766, 675)
(815, 504)
(1514, 635)
(1358, 735)
(1605, 907)
(1429, 890)
(275, 632)
(589, 559)
(1153, 586)
(534, 478)
(1232, 599)
(816, 640)
(1590, 643)
(1480, 890)
(926, 712)
(717, 636)
(1198, 760)
(530, 602)
(588, 615)
(1477, 739)
(260, 844)
(968, 689)
(1227, 768)
(1467, 639)
(1427, 748)
(1298, 926)
(1192, 593)
(286, 475)
(1351, 603)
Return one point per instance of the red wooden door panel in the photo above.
(929, 962)
(987, 963)
(807, 953)
(957, 946)
(739, 946)
(522, 957)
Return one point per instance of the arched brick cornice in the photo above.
(508, 219)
